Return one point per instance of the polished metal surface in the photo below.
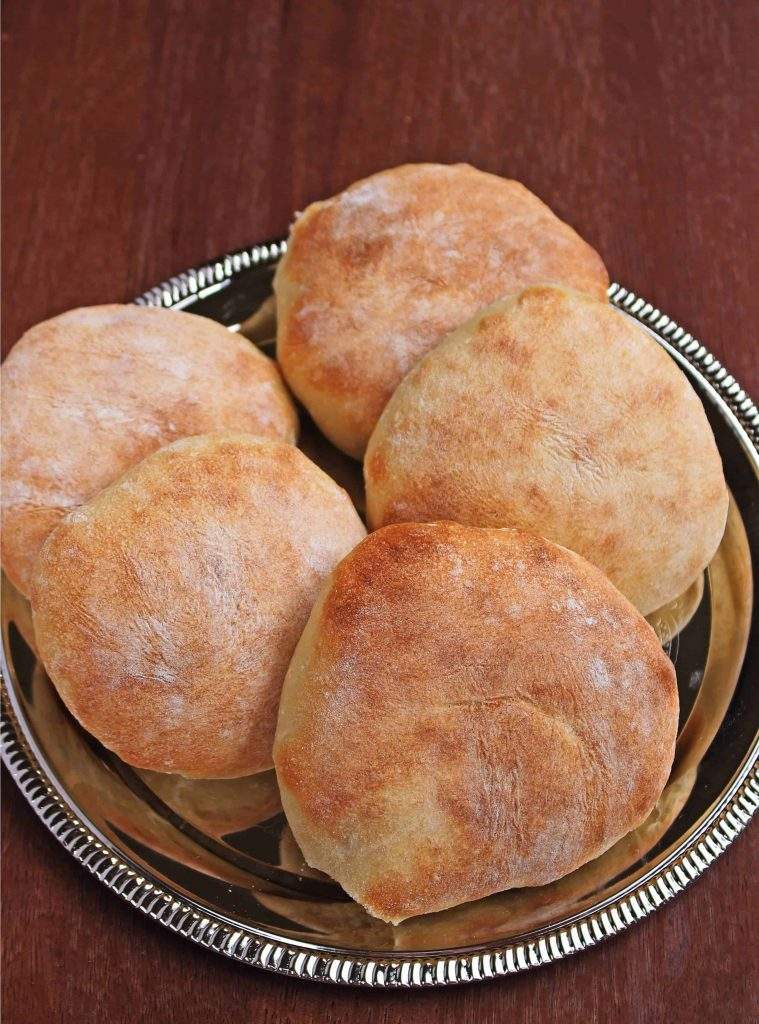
(216, 862)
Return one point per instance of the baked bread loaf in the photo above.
(468, 710)
(89, 393)
(376, 276)
(166, 610)
(553, 412)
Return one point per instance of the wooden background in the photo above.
(145, 136)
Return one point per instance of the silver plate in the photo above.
(215, 861)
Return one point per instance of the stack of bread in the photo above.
(466, 700)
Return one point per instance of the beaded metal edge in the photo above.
(251, 946)
(186, 288)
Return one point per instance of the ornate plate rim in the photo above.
(727, 818)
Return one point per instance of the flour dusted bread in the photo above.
(376, 276)
(553, 412)
(166, 610)
(89, 393)
(468, 710)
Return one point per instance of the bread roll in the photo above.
(553, 412)
(89, 393)
(468, 710)
(166, 610)
(376, 276)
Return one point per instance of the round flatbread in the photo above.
(553, 412)
(376, 276)
(166, 610)
(89, 393)
(469, 710)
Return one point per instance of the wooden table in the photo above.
(142, 137)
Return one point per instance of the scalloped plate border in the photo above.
(728, 817)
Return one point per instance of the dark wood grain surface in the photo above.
(143, 137)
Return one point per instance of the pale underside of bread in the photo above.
(167, 609)
(89, 393)
(468, 711)
(552, 412)
(376, 276)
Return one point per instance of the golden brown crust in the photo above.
(552, 412)
(468, 710)
(89, 393)
(166, 610)
(376, 276)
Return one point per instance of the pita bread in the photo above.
(469, 710)
(553, 412)
(166, 610)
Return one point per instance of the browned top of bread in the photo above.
(468, 710)
(167, 608)
(92, 391)
(376, 276)
(553, 412)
